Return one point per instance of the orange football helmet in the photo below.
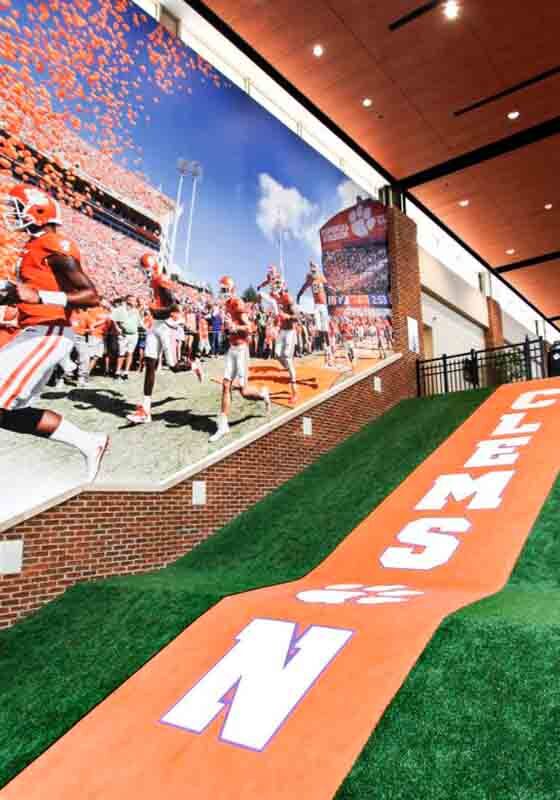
(150, 264)
(29, 207)
(227, 287)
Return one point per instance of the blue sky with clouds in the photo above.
(258, 177)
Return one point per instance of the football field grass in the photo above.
(479, 715)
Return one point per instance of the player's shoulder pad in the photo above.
(59, 245)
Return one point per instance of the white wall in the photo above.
(451, 288)
(451, 332)
(514, 331)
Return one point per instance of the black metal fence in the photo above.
(482, 368)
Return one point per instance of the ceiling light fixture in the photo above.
(464, 203)
(510, 252)
(318, 50)
(451, 9)
(367, 102)
(548, 206)
(514, 115)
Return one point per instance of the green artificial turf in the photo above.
(478, 716)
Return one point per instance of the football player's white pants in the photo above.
(237, 364)
(161, 340)
(285, 346)
(322, 318)
(27, 362)
(82, 346)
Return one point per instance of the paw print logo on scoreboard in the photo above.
(359, 594)
(362, 221)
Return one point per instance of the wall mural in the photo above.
(176, 266)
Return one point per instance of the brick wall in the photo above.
(494, 334)
(99, 534)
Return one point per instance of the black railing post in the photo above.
(445, 374)
(474, 361)
(527, 354)
(543, 357)
(418, 384)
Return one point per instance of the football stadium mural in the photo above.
(176, 266)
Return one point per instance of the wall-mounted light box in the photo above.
(11, 556)
(199, 493)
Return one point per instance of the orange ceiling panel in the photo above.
(542, 283)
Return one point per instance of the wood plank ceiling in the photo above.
(419, 76)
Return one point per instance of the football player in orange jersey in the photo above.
(286, 343)
(167, 316)
(272, 275)
(317, 282)
(51, 283)
(266, 298)
(238, 330)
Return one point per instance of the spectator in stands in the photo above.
(217, 322)
(128, 321)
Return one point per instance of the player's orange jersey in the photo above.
(235, 307)
(286, 305)
(38, 274)
(79, 319)
(317, 283)
(160, 286)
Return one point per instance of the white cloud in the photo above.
(285, 209)
(348, 191)
(282, 208)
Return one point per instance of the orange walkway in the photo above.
(272, 694)
(313, 377)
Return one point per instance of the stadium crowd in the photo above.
(110, 339)
(357, 270)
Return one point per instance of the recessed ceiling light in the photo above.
(514, 115)
(367, 102)
(451, 9)
(464, 203)
(548, 206)
(510, 252)
(318, 50)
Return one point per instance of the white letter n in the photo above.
(267, 673)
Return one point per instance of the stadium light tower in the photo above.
(282, 263)
(195, 170)
(183, 167)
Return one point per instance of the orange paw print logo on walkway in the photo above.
(358, 594)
